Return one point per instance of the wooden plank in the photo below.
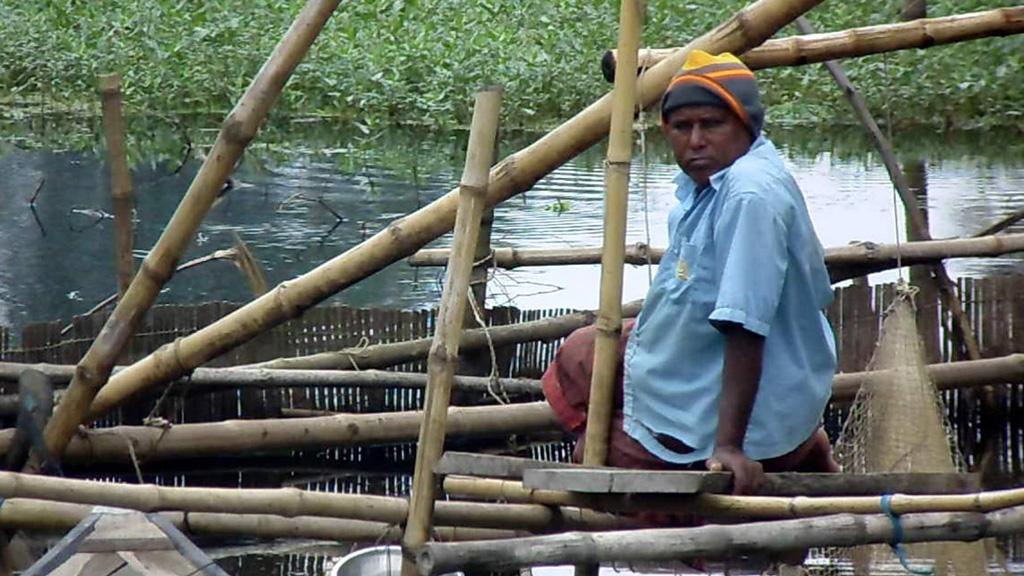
(100, 564)
(491, 466)
(63, 549)
(612, 481)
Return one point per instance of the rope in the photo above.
(895, 199)
(896, 542)
(492, 381)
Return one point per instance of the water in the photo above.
(56, 260)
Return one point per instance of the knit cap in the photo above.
(722, 80)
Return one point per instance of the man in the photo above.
(730, 363)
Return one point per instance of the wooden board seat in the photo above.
(537, 474)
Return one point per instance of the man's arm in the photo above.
(741, 372)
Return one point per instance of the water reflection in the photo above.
(306, 200)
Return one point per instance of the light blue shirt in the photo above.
(743, 250)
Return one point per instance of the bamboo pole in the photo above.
(444, 351)
(723, 506)
(962, 332)
(150, 443)
(384, 355)
(238, 130)
(515, 174)
(292, 502)
(810, 49)
(120, 179)
(204, 379)
(1002, 370)
(616, 197)
(59, 517)
(844, 262)
(616, 178)
(715, 541)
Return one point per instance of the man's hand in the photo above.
(747, 474)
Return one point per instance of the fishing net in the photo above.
(897, 423)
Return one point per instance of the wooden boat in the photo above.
(125, 542)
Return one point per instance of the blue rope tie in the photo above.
(896, 543)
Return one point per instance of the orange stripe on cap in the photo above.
(715, 88)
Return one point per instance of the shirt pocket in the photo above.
(683, 271)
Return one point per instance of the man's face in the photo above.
(705, 139)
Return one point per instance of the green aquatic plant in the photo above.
(382, 63)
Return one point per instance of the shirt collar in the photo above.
(686, 188)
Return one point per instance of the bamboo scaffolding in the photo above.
(616, 178)
(120, 179)
(152, 443)
(513, 175)
(854, 42)
(384, 355)
(844, 262)
(962, 332)
(292, 502)
(444, 350)
(715, 541)
(59, 517)
(238, 130)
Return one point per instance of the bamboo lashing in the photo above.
(444, 351)
(238, 130)
(120, 179)
(515, 174)
(863, 41)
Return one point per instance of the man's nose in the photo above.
(696, 137)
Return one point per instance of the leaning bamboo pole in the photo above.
(810, 49)
(59, 517)
(616, 197)
(151, 443)
(120, 179)
(444, 350)
(843, 262)
(962, 332)
(717, 541)
(513, 175)
(389, 354)
(238, 130)
(292, 502)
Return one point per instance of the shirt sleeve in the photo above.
(751, 254)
